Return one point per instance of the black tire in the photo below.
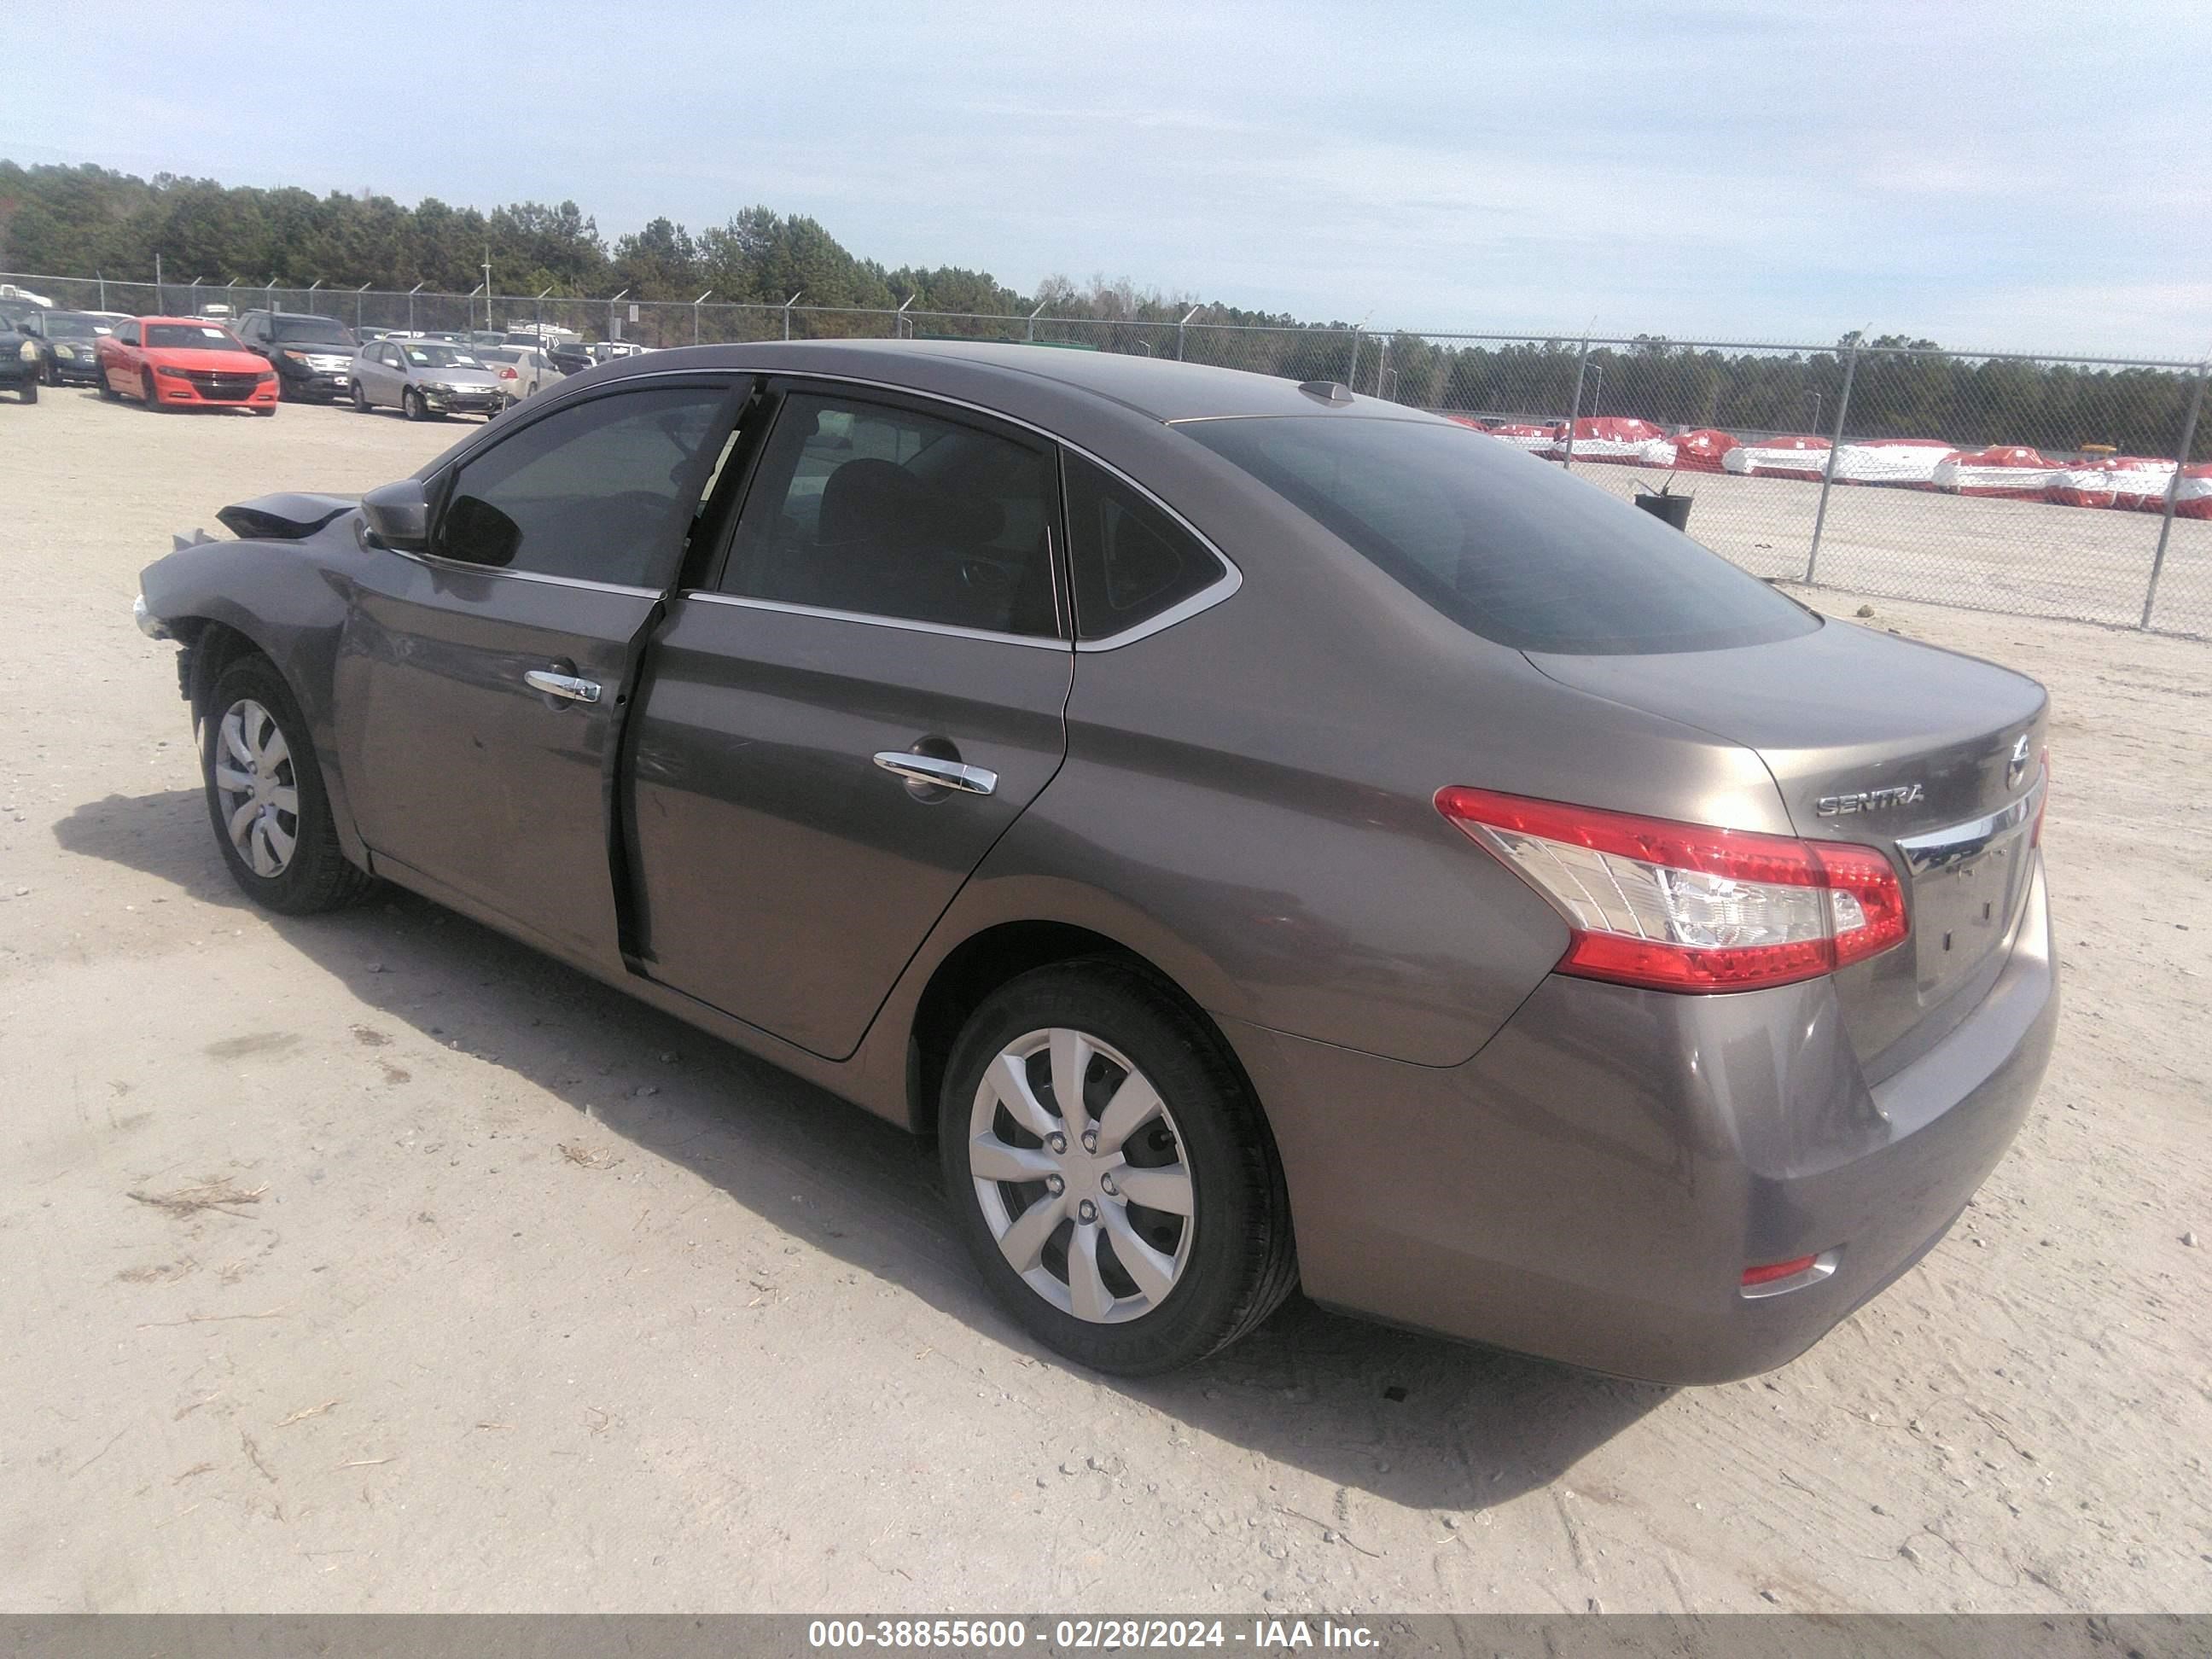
(29, 391)
(360, 404)
(317, 876)
(1242, 1261)
(107, 388)
(146, 392)
(412, 406)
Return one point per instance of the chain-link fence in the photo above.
(2056, 486)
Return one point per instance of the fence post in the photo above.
(1828, 474)
(2173, 490)
(1181, 325)
(357, 293)
(787, 305)
(1034, 315)
(1352, 379)
(1582, 361)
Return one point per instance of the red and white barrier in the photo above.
(1901, 462)
(2004, 473)
(1611, 438)
(1703, 450)
(2193, 498)
(1801, 456)
(1536, 440)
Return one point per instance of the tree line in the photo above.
(75, 221)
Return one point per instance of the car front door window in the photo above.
(601, 491)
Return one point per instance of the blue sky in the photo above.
(2013, 176)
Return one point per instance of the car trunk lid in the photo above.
(1933, 757)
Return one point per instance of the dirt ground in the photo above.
(374, 1263)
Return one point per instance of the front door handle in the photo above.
(940, 773)
(568, 686)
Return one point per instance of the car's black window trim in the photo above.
(780, 389)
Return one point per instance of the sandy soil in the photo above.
(375, 1263)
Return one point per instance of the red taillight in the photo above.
(1686, 907)
(507, 374)
(1774, 1270)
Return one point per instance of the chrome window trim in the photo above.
(1957, 841)
(440, 562)
(1231, 579)
(1035, 642)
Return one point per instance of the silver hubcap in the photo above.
(257, 789)
(1079, 1169)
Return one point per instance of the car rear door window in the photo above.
(883, 511)
(1512, 549)
(601, 491)
(1130, 560)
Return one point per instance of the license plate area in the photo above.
(1968, 882)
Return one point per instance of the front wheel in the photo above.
(1111, 1172)
(30, 390)
(107, 388)
(360, 398)
(265, 798)
(412, 405)
(146, 392)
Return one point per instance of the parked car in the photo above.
(313, 355)
(522, 371)
(69, 341)
(22, 359)
(425, 379)
(570, 356)
(1263, 834)
(173, 362)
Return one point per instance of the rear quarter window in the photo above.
(1511, 548)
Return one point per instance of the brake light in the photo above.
(1686, 907)
(1774, 1270)
(507, 374)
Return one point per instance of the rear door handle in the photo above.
(942, 773)
(568, 686)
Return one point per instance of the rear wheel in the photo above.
(1111, 1172)
(265, 798)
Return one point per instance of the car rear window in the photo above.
(1511, 548)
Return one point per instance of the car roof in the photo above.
(1159, 388)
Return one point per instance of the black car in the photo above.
(71, 340)
(21, 355)
(313, 355)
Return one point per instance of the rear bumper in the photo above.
(1591, 1185)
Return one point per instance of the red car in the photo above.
(187, 362)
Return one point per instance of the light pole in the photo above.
(613, 333)
(487, 269)
(1597, 390)
(1816, 397)
(541, 319)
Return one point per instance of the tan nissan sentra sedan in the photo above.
(1267, 835)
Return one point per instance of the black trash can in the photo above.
(1675, 509)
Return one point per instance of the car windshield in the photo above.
(70, 325)
(312, 330)
(198, 337)
(1513, 549)
(428, 354)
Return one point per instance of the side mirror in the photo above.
(397, 515)
(476, 532)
